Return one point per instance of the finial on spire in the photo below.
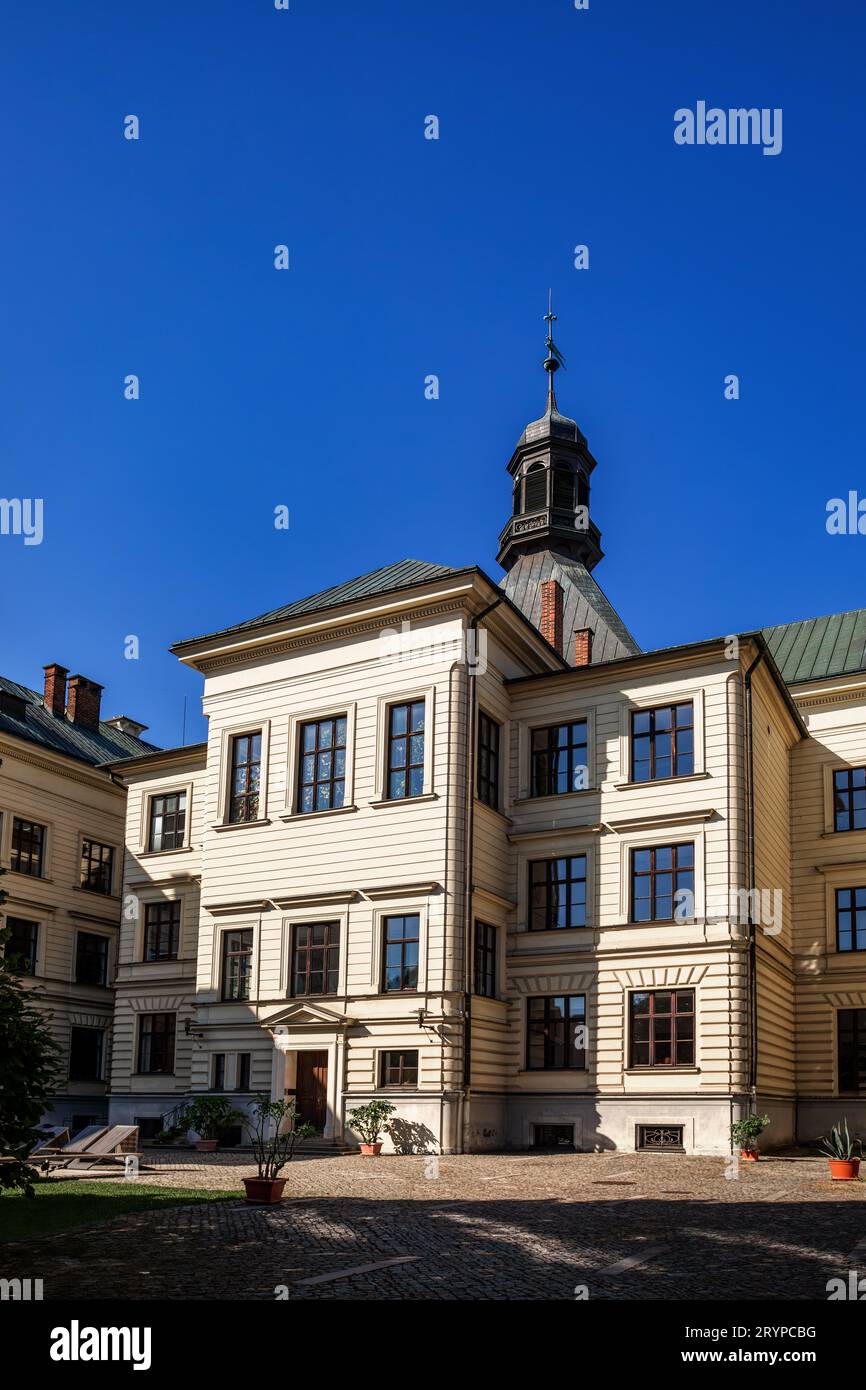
(554, 359)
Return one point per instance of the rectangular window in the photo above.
(657, 876)
(167, 821)
(662, 742)
(20, 949)
(237, 963)
(405, 768)
(851, 1024)
(851, 919)
(557, 893)
(402, 936)
(156, 1042)
(399, 1069)
(219, 1071)
(488, 760)
(243, 1072)
(91, 959)
(559, 759)
(246, 769)
(28, 845)
(85, 1054)
(97, 866)
(556, 1033)
(662, 1028)
(161, 931)
(316, 964)
(322, 782)
(485, 960)
(849, 798)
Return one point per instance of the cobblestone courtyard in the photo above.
(625, 1226)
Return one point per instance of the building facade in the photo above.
(62, 829)
(463, 846)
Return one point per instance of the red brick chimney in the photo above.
(583, 646)
(82, 702)
(551, 612)
(54, 698)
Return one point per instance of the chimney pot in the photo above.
(83, 698)
(551, 612)
(54, 698)
(583, 646)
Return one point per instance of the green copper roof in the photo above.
(817, 648)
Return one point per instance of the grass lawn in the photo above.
(59, 1206)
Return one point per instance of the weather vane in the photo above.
(554, 359)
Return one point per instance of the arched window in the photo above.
(563, 490)
(535, 489)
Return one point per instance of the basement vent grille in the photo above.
(660, 1138)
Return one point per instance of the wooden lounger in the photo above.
(118, 1142)
(54, 1139)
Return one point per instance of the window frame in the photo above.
(852, 911)
(565, 1020)
(174, 906)
(407, 768)
(384, 704)
(43, 840)
(653, 873)
(226, 956)
(84, 858)
(247, 797)
(100, 1068)
(848, 772)
(858, 1044)
(165, 794)
(166, 1033)
(487, 784)
(105, 954)
(485, 959)
(650, 712)
(553, 748)
(652, 1042)
(32, 957)
(327, 947)
(549, 861)
(302, 754)
(402, 1053)
(403, 942)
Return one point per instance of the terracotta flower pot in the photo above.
(749, 1155)
(371, 1150)
(207, 1146)
(265, 1191)
(844, 1169)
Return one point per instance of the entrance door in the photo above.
(312, 1088)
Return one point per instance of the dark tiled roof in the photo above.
(816, 648)
(38, 725)
(584, 604)
(401, 575)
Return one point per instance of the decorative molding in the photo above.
(314, 900)
(661, 976)
(77, 1019)
(75, 773)
(566, 828)
(661, 822)
(240, 907)
(560, 983)
(160, 1003)
(847, 999)
(479, 891)
(402, 890)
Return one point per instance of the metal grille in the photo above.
(660, 1138)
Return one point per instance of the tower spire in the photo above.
(554, 359)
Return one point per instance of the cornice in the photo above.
(67, 768)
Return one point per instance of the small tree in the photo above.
(28, 1074)
(369, 1120)
(274, 1145)
(745, 1132)
(209, 1116)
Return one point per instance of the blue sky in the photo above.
(408, 257)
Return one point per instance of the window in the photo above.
(849, 798)
(535, 489)
(91, 959)
(662, 742)
(97, 865)
(20, 949)
(563, 489)
(237, 963)
(316, 964)
(657, 876)
(219, 1071)
(485, 960)
(28, 845)
(556, 1033)
(161, 931)
(399, 1069)
(322, 785)
(246, 768)
(402, 935)
(85, 1054)
(156, 1042)
(553, 1137)
(243, 1072)
(851, 1024)
(167, 821)
(559, 759)
(557, 893)
(405, 771)
(663, 1028)
(851, 919)
(488, 760)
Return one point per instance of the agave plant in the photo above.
(839, 1144)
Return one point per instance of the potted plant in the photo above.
(209, 1117)
(274, 1132)
(745, 1134)
(369, 1121)
(843, 1152)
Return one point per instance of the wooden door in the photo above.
(312, 1088)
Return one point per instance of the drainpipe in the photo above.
(468, 855)
(750, 816)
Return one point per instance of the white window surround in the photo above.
(47, 843)
(660, 700)
(216, 985)
(147, 796)
(571, 844)
(349, 709)
(829, 767)
(262, 727)
(146, 899)
(525, 730)
(305, 917)
(688, 833)
(840, 876)
(116, 863)
(383, 704)
(378, 1053)
(396, 908)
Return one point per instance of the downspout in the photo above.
(468, 865)
(750, 815)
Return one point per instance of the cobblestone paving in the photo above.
(626, 1226)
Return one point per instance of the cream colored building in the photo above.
(463, 846)
(62, 826)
